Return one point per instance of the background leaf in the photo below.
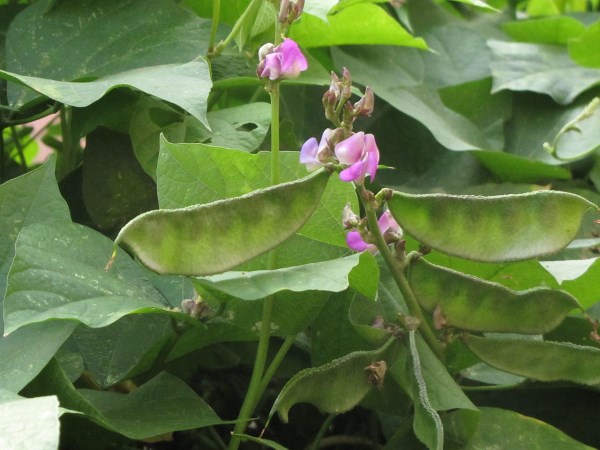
(192, 81)
(25, 352)
(161, 405)
(539, 68)
(329, 276)
(64, 264)
(527, 433)
(31, 198)
(583, 47)
(18, 431)
(100, 39)
(363, 23)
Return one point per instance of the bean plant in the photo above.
(299, 224)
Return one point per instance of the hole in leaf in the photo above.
(247, 127)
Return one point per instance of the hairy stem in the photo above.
(397, 271)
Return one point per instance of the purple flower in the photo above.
(387, 225)
(284, 61)
(360, 152)
(314, 154)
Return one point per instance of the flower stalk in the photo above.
(397, 270)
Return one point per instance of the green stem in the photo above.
(19, 147)
(317, 441)
(234, 31)
(67, 157)
(274, 134)
(277, 360)
(2, 156)
(259, 379)
(214, 26)
(252, 395)
(398, 274)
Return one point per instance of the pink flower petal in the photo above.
(308, 154)
(351, 150)
(354, 172)
(372, 155)
(293, 61)
(355, 242)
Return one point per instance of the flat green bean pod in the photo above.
(215, 237)
(491, 229)
(539, 360)
(471, 303)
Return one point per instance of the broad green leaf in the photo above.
(214, 237)
(24, 353)
(335, 387)
(161, 405)
(363, 23)
(31, 198)
(584, 286)
(539, 360)
(474, 304)
(117, 192)
(17, 429)
(526, 433)
(215, 173)
(103, 38)
(491, 229)
(186, 85)
(123, 349)
(63, 263)
(329, 276)
(319, 8)
(544, 30)
(539, 68)
(333, 335)
(517, 169)
(402, 88)
(241, 127)
(449, 128)
(404, 66)
(537, 120)
(461, 55)
(584, 48)
(488, 112)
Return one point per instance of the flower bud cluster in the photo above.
(360, 239)
(289, 11)
(338, 108)
(356, 153)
